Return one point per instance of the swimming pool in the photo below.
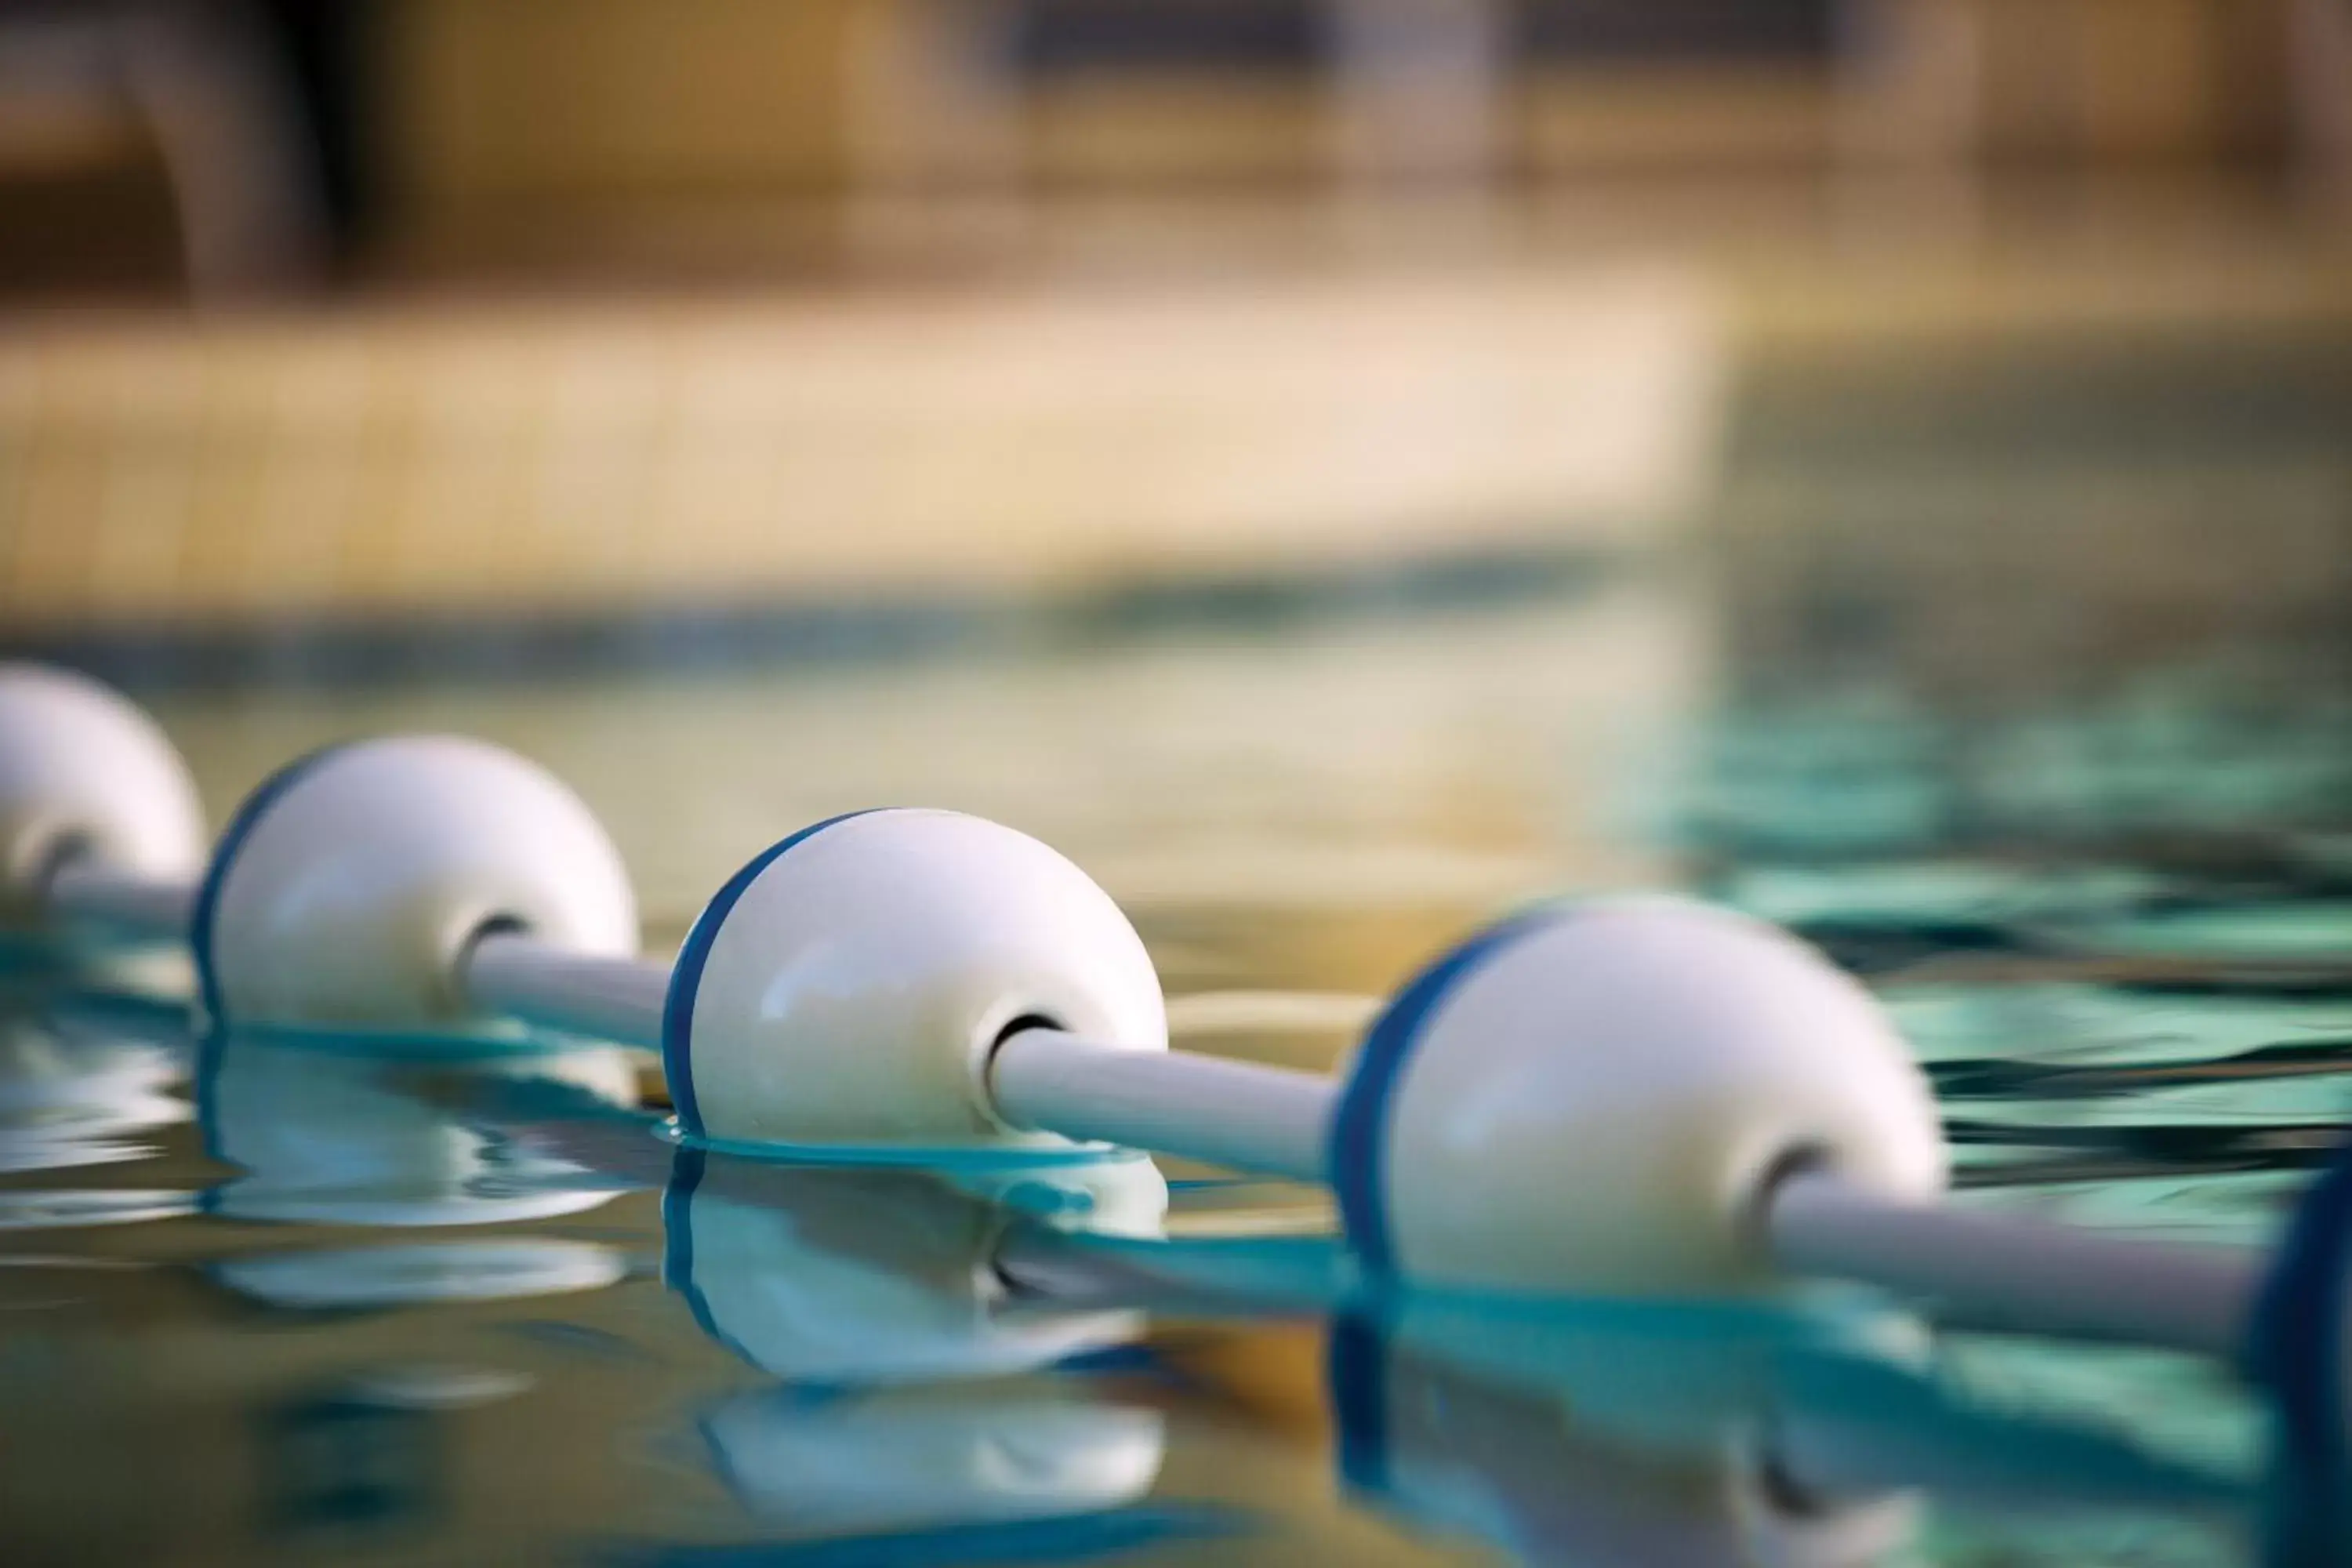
(298, 1300)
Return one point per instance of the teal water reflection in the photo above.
(289, 1299)
(991, 1362)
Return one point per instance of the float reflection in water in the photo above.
(937, 1336)
(324, 1133)
(337, 1132)
(78, 1087)
(1600, 1431)
(906, 1401)
(1605, 1431)
(849, 1275)
(1711, 1436)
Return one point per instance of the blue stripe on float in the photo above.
(1357, 1369)
(686, 975)
(208, 891)
(2296, 1348)
(1358, 1149)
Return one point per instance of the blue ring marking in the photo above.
(686, 975)
(232, 840)
(1357, 1370)
(2296, 1348)
(1357, 1150)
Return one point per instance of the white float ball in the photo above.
(848, 986)
(1595, 1098)
(82, 768)
(349, 886)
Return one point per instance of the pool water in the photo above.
(274, 1297)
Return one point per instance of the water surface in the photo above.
(290, 1299)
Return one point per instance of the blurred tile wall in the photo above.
(468, 463)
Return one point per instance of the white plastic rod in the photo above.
(2048, 1278)
(2025, 1273)
(2020, 1272)
(86, 890)
(1204, 1108)
(516, 975)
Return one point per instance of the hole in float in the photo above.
(1024, 1023)
(55, 853)
(1020, 1024)
(495, 925)
(1797, 1160)
(454, 979)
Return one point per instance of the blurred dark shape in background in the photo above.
(622, 138)
(154, 149)
(2007, 337)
